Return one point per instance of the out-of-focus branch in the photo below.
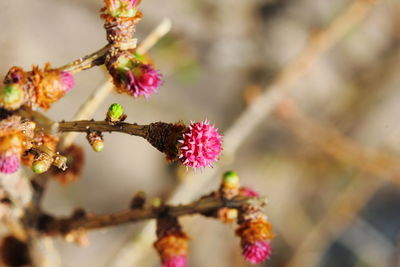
(337, 145)
(101, 93)
(341, 213)
(205, 205)
(317, 45)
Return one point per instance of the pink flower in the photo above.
(201, 145)
(257, 252)
(67, 80)
(134, 2)
(176, 261)
(9, 163)
(143, 80)
(248, 192)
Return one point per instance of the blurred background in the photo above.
(326, 157)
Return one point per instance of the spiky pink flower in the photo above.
(176, 261)
(257, 252)
(201, 145)
(9, 163)
(67, 80)
(143, 80)
(248, 192)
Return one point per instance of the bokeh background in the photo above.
(326, 157)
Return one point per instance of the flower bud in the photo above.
(115, 113)
(172, 243)
(255, 234)
(11, 148)
(134, 77)
(12, 96)
(96, 141)
(121, 8)
(41, 163)
(230, 185)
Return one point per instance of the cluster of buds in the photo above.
(172, 242)
(254, 230)
(121, 17)
(21, 142)
(34, 89)
(132, 74)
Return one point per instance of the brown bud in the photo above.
(138, 200)
(165, 136)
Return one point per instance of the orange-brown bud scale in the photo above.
(172, 242)
(12, 144)
(120, 30)
(45, 86)
(172, 245)
(227, 215)
(253, 231)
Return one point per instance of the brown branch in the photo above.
(87, 62)
(101, 126)
(203, 206)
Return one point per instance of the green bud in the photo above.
(115, 112)
(40, 166)
(230, 178)
(11, 96)
(156, 202)
(98, 145)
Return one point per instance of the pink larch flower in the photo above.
(248, 192)
(9, 163)
(201, 145)
(143, 80)
(257, 252)
(134, 2)
(122, 8)
(176, 261)
(67, 80)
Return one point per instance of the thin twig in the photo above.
(337, 145)
(100, 126)
(87, 62)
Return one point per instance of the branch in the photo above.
(203, 206)
(87, 62)
(100, 126)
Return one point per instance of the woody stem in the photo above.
(203, 206)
